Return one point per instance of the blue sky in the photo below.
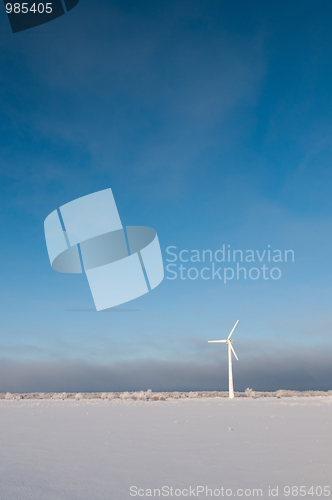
(212, 124)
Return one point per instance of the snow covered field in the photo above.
(94, 449)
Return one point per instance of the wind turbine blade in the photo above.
(234, 352)
(229, 336)
(217, 340)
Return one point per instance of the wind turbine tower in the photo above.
(229, 342)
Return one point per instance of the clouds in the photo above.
(144, 91)
(311, 370)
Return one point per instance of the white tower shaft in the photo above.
(230, 372)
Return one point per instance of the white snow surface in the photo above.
(96, 449)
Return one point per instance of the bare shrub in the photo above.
(249, 393)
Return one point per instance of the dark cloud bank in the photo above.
(268, 374)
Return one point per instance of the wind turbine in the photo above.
(229, 342)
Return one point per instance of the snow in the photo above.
(96, 449)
